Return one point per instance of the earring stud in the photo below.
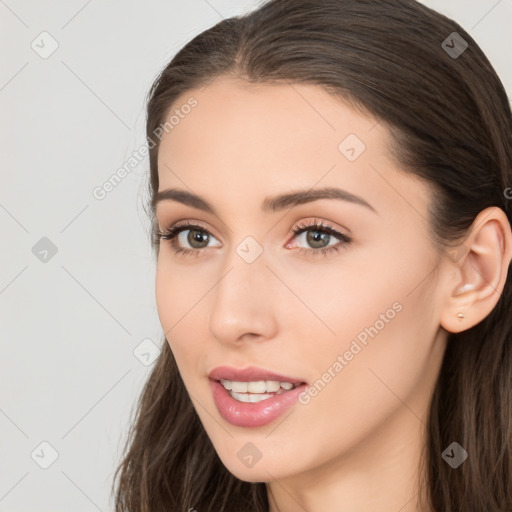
(460, 316)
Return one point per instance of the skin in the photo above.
(358, 442)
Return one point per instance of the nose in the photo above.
(245, 301)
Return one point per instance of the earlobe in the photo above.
(480, 271)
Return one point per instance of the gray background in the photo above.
(79, 328)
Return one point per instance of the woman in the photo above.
(330, 197)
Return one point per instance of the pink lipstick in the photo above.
(253, 397)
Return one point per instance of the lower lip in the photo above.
(244, 414)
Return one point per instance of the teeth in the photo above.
(259, 386)
(239, 387)
(226, 384)
(250, 398)
(272, 385)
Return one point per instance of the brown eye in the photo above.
(196, 239)
(318, 238)
(196, 236)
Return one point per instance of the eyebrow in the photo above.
(270, 204)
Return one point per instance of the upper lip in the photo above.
(249, 374)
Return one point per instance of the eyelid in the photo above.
(314, 222)
(186, 223)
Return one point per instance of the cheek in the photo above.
(166, 293)
(181, 295)
(380, 322)
(355, 299)
(173, 300)
(177, 292)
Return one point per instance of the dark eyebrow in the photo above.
(270, 204)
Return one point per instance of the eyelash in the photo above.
(171, 234)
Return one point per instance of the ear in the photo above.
(479, 267)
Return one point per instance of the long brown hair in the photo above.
(452, 125)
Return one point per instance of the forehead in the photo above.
(242, 139)
(287, 118)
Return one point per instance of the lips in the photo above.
(249, 374)
(236, 402)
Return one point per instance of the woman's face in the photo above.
(346, 312)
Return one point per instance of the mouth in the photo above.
(256, 390)
(253, 397)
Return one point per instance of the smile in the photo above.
(252, 397)
(257, 390)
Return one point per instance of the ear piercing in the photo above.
(460, 316)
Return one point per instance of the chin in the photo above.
(250, 465)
